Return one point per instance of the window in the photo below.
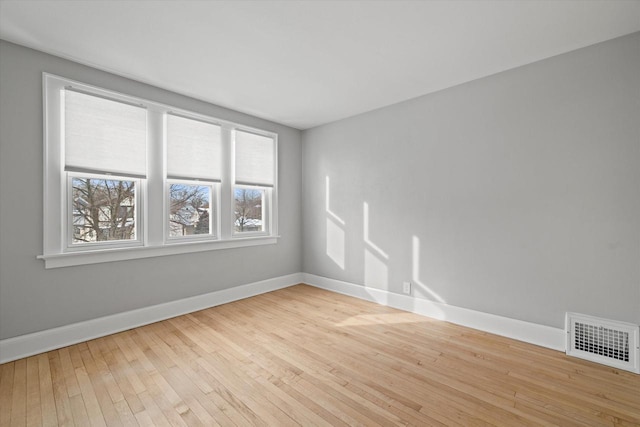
(254, 178)
(190, 209)
(129, 178)
(102, 137)
(249, 204)
(194, 153)
(103, 209)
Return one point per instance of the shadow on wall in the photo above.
(419, 288)
(376, 270)
(335, 231)
(375, 262)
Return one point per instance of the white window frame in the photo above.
(269, 210)
(109, 244)
(214, 220)
(152, 192)
(266, 218)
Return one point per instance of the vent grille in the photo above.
(603, 341)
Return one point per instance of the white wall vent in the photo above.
(603, 341)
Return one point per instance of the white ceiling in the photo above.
(306, 63)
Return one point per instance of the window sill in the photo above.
(122, 254)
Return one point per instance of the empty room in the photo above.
(319, 213)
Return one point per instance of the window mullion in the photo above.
(226, 192)
(155, 188)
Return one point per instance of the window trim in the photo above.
(152, 237)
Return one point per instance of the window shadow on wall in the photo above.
(335, 232)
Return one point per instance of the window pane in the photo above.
(189, 209)
(249, 204)
(103, 210)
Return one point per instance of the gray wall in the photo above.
(32, 298)
(517, 194)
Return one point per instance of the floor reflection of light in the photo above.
(383, 318)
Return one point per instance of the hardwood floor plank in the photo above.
(123, 376)
(124, 412)
(71, 383)
(147, 368)
(305, 356)
(152, 411)
(34, 410)
(79, 410)
(99, 390)
(91, 403)
(60, 395)
(144, 419)
(102, 371)
(6, 392)
(19, 396)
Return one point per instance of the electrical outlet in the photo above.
(406, 288)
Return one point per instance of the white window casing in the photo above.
(255, 165)
(87, 130)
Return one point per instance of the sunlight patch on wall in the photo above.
(327, 202)
(418, 286)
(365, 221)
(376, 272)
(335, 243)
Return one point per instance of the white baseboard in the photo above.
(533, 333)
(51, 339)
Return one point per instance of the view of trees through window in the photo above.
(248, 209)
(103, 210)
(189, 209)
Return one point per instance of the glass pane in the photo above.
(103, 210)
(189, 209)
(249, 203)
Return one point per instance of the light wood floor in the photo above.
(304, 356)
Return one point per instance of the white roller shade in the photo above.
(103, 135)
(255, 159)
(194, 149)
